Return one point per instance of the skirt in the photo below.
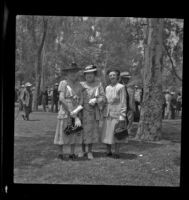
(60, 137)
(108, 132)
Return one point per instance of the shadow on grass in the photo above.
(126, 156)
(33, 120)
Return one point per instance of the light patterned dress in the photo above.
(71, 98)
(92, 115)
(115, 110)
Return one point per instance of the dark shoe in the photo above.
(109, 154)
(60, 156)
(116, 156)
(72, 157)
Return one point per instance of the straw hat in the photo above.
(28, 84)
(90, 68)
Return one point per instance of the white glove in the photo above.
(77, 122)
(74, 112)
(93, 101)
(121, 118)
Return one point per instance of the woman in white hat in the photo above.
(69, 99)
(93, 98)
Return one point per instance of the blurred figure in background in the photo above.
(137, 99)
(20, 94)
(173, 105)
(168, 103)
(125, 77)
(54, 98)
(45, 99)
(163, 105)
(27, 101)
(179, 104)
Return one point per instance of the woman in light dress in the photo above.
(93, 98)
(69, 99)
(114, 112)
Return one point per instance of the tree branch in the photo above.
(172, 64)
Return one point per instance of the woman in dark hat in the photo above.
(93, 98)
(114, 112)
(69, 99)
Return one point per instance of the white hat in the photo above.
(90, 68)
(28, 84)
(127, 74)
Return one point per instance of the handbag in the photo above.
(120, 131)
(72, 129)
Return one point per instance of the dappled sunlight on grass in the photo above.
(141, 163)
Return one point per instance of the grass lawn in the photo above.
(141, 163)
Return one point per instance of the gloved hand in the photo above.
(121, 118)
(74, 112)
(93, 101)
(77, 122)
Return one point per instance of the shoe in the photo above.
(109, 154)
(60, 156)
(116, 156)
(90, 156)
(72, 157)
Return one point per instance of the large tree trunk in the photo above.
(150, 124)
(38, 67)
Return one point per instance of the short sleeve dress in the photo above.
(70, 98)
(92, 114)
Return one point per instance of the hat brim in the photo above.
(71, 69)
(91, 70)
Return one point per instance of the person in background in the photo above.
(45, 98)
(93, 97)
(168, 103)
(125, 76)
(70, 99)
(179, 104)
(137, 98)
(27, 101)
(163, 105)
(173, 105)
(20, 94)
(114, 112)
(54, 98)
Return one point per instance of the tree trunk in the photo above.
(38, 67)
(150, 124)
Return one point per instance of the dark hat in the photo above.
(90, 68)
(73, 67)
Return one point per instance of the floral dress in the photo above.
(92, 115)
(114, 111)
(71, 98)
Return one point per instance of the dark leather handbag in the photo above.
(72, 129)
(120, 131)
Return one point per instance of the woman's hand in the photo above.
(93, 101)
(77, 122)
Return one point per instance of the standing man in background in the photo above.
(27, 101)
(54, 98)
(125, 77)
(45, 99)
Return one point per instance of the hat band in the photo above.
(91, 70)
